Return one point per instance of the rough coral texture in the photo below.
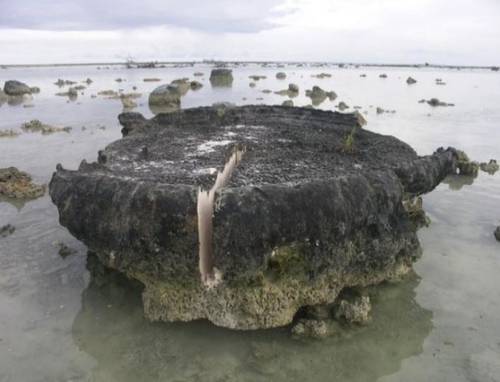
(355, 310)
(18, 184)
(300, 220)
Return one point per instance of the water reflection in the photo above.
(158, 109)
(17, 203)
(110, 327)
(456, 182)
(18, 100)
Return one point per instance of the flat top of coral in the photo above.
(282, 146)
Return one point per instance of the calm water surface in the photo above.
(57, 323)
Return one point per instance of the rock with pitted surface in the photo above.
(16, 88)
(296, 218)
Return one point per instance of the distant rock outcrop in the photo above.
(221, 77)
(16, 88)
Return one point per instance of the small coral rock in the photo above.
(17, 184)
(354, 310)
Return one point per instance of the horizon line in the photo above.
(210, 61)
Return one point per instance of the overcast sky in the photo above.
(380, 31)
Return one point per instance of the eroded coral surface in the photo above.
(300, 220)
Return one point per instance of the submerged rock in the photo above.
(166, 96)
(183, 85)
(128, 102)
(16, 88)
(292, 91)
(311, 328)
(318, 95)
(411, 81)
(7, 230)
(281, 75)
(8, 133)
(288, 103)
(322, 75)
(293, 88)
(416, 213)
(35, 126)
(65, 251)
(342, 106)
(221, 77)
(256, 77)
(491, 167)
(18, 185)
(60, 82)
(354, 309)
(71, 93)
(289, 227)
(195, 85)
(465, 166)
(436, 102)
(108, 93)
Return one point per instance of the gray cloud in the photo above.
(206, 15)
(381, 31)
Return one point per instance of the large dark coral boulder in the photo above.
(302, 217)
(16, 88)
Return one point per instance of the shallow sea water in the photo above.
(442, 323)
